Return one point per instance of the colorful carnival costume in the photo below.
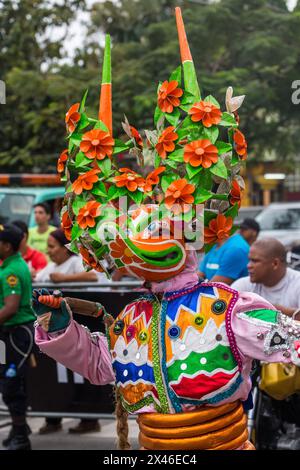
(181, 354)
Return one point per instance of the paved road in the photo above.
(62, 440)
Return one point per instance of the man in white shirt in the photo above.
(270, 277)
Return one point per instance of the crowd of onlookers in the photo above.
(44, 249)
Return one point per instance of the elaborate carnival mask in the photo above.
(192, 168)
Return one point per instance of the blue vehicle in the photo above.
(17, 203)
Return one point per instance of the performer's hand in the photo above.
(52, 311)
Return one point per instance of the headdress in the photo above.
(195, 151)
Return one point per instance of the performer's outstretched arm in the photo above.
(264, 333)
(59, 336)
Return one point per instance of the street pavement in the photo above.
(62, 440)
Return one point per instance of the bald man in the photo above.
(270, 277)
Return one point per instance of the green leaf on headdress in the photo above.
(120, 146)
(193, 170)
(187, 98)
(76, 231)
(211, 99)
(219, 169)
(157, 115)
(78, 203)
(171, 164)
(210, 133)
(166, 180)
(208, 216)
(83, 122)
(235, 160)
(82, 103)
(105, 166)
(232, 211)
(176, 75)
(113, 193)
(206, 179)
(99, 189)
(187, 216)
(75, 139)
(136, 196)
(74, 247)
(223, 147)
(228, 120)
(174, 117)
(156, 160)
(81, 160)
(201, 195)
(177, 155)
(100, 125)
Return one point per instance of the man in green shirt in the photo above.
(16, 332)
(38, 235)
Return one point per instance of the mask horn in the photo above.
(105, 104)
(190, 78)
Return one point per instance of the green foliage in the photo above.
(252, 45)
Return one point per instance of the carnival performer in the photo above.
(181, 354)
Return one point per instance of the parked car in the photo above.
(282, 221)
(17, 203)
(247, 212)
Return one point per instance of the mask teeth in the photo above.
(190, 78)
(105, 104)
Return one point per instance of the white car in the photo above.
(282, 221)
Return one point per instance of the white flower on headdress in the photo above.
(233, 103)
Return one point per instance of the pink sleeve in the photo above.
(251, 333)
(78, 350)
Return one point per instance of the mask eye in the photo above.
(152, 227)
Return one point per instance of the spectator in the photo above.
(227, 260)
(65, 265)
(38, 235)
(16, 331)
(35, 259)
(270, 277)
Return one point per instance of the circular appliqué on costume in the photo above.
(144, 336)
(130, 332)
(218, 307)
(198, 320)
(174, 332)
(118, 327)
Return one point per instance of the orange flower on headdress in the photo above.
(200, 153)
(166, 142)
(130, 179)
(137, 136)
(119, 250)
(97, 144)
(85, 181)
(87, 257)
(168, 96)
(62, 160)
(66, 224)
(72, 117)
(235, 194)
(88, 213)
(240, 144)
(179, 192)
(152, 179)
(218, 229)
(206, 112)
